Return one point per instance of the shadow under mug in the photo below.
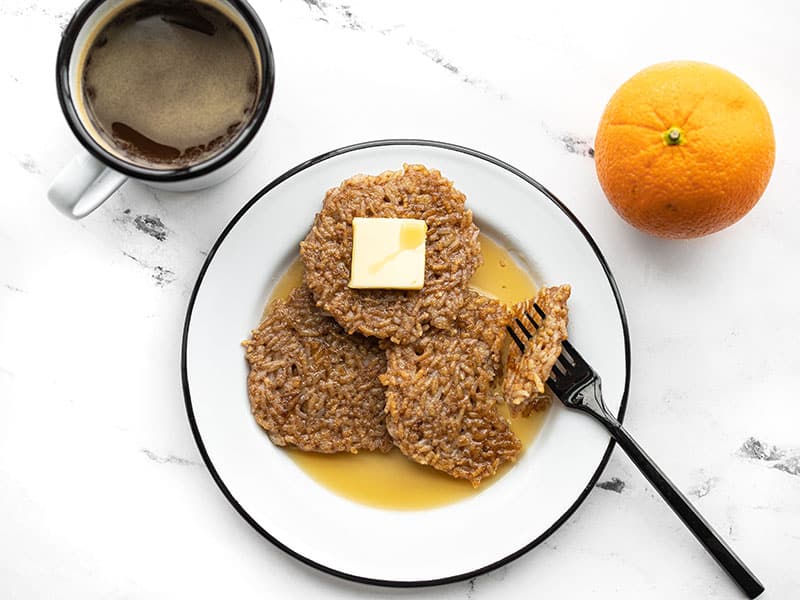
(89, 179)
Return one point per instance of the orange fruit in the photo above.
(684, 149)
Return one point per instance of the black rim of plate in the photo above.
(188, 400)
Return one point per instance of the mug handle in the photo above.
(83, 185)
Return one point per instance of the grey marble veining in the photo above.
(783, 459)
(169, 459)
(148, 224)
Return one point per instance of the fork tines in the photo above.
(525, 331)
(569, 359)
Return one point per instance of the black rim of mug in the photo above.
(245, 136)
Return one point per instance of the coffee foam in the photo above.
(178, 86)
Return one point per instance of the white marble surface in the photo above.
(102, 491)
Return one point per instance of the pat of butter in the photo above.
(388, 254)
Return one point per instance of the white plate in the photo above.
(349, 539)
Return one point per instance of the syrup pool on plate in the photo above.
(391, 480)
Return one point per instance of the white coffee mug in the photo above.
(90, 179)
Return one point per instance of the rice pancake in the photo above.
(452, 253)
(313, 386)
(440, 399)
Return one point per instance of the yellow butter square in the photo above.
(388, 253)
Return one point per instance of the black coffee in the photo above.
(170, 84)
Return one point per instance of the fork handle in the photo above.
(704, 533)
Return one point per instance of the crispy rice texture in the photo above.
(313, 386)
(440, 400)
(452, 253)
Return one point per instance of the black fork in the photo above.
(577, 385)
